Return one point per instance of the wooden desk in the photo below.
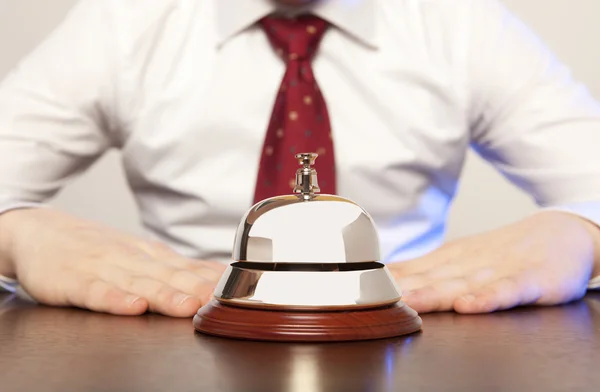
(552, 349)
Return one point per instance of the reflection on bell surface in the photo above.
(303, 253)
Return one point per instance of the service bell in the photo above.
(306, 267)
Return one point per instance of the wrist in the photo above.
(593, 229)
(7, 234)
(588, 227)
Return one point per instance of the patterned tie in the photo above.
(299, 121)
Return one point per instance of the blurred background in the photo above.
(485, 199)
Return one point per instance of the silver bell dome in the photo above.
(306, 227)
(323, 229)
(307, 250)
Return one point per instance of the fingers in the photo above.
(439, 274)
(437, 295)
(195, 285)
(100, 296)
(167, 284)
(179, 276)
(504, 293)
(192, 284)
(152, 278)
(165, 299)
(180, 300)
(132, 295)
(484, 291)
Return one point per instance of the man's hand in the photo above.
(546, 259)
(63, 261)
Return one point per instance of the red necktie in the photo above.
(299, 121)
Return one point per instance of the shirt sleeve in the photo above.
(530, 118)
(53, 107)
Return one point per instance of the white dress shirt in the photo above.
(185, 88)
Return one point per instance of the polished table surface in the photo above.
(528, 349)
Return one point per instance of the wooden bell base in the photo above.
(306, 326)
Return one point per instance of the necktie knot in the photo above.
(295, 38)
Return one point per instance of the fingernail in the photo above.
(180, 298)
(468, 298)
(132, 299)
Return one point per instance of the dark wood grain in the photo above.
(306, 326)
(530, 349)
